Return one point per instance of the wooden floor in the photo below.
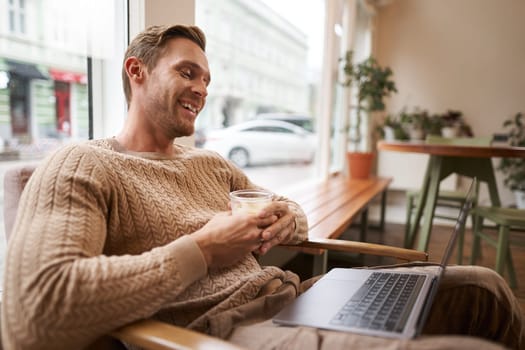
(393, 235)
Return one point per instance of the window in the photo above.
(265, 56)
(17, 16)
(351, 31)
(44, 78)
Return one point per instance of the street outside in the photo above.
(279, 178)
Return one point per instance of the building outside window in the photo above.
(45, 48)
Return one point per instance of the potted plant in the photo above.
(415, 123)
(392, 129)
(454, 125)
(373, 83)
(434, 125)
(513, 169)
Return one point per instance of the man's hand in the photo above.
(280, 231)
(226, 238)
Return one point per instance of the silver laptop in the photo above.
(382, 302)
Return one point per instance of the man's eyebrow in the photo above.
(195, 66)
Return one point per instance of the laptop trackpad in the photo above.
(322, 301)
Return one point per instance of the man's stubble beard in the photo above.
(169, 122)
(174, 127)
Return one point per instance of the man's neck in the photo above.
(140, 143)
(138, 136)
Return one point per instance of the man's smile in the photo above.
(190, 106)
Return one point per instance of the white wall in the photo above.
(169, 12)
(467, 55)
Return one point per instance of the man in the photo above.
(121, 229)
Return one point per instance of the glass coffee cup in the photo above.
(249, 201)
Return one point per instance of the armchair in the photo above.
(156, 335)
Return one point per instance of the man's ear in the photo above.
(134, 69)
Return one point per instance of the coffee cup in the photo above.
(249, 201)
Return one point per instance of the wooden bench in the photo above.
(332, 205)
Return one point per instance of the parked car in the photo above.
(262, 142)
(304, 121)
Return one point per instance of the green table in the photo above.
(471, 161)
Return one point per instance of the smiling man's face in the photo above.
(176, 88)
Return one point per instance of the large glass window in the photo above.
(265, 58)
(352, 31)
(46, 47)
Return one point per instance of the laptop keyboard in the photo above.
(383, 302)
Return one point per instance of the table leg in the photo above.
(381, 225)
(492, 186)
(363, 225)
(430, 203)
(414, 227)
(320, 263)
(441, 167)
(383, 209)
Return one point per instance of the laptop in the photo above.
(380, 302)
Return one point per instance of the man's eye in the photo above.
(185, 74)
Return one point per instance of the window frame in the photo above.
(108, 107)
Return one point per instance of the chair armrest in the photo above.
(364, 248)
(156, 335)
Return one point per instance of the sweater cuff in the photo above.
(191, 265)
(301, 225)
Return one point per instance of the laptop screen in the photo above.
(460, 222)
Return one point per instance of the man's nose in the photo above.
(201, 88)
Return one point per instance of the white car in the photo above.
(262, 142)
(304, 121)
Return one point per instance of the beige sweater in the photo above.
(102, 239)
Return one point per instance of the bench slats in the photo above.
(333, 204)
(334, 196)
(346, 197)
(340, 219)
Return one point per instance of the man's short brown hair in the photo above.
(148, 45)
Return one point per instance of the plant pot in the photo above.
(520, 199)
(450, 131)
(390, 133)
(416, 134)
(360, 164)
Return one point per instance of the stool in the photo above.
(446, 199)
(506, 219)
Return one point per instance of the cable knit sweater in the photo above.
(102, 239)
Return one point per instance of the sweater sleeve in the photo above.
(60, 291)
